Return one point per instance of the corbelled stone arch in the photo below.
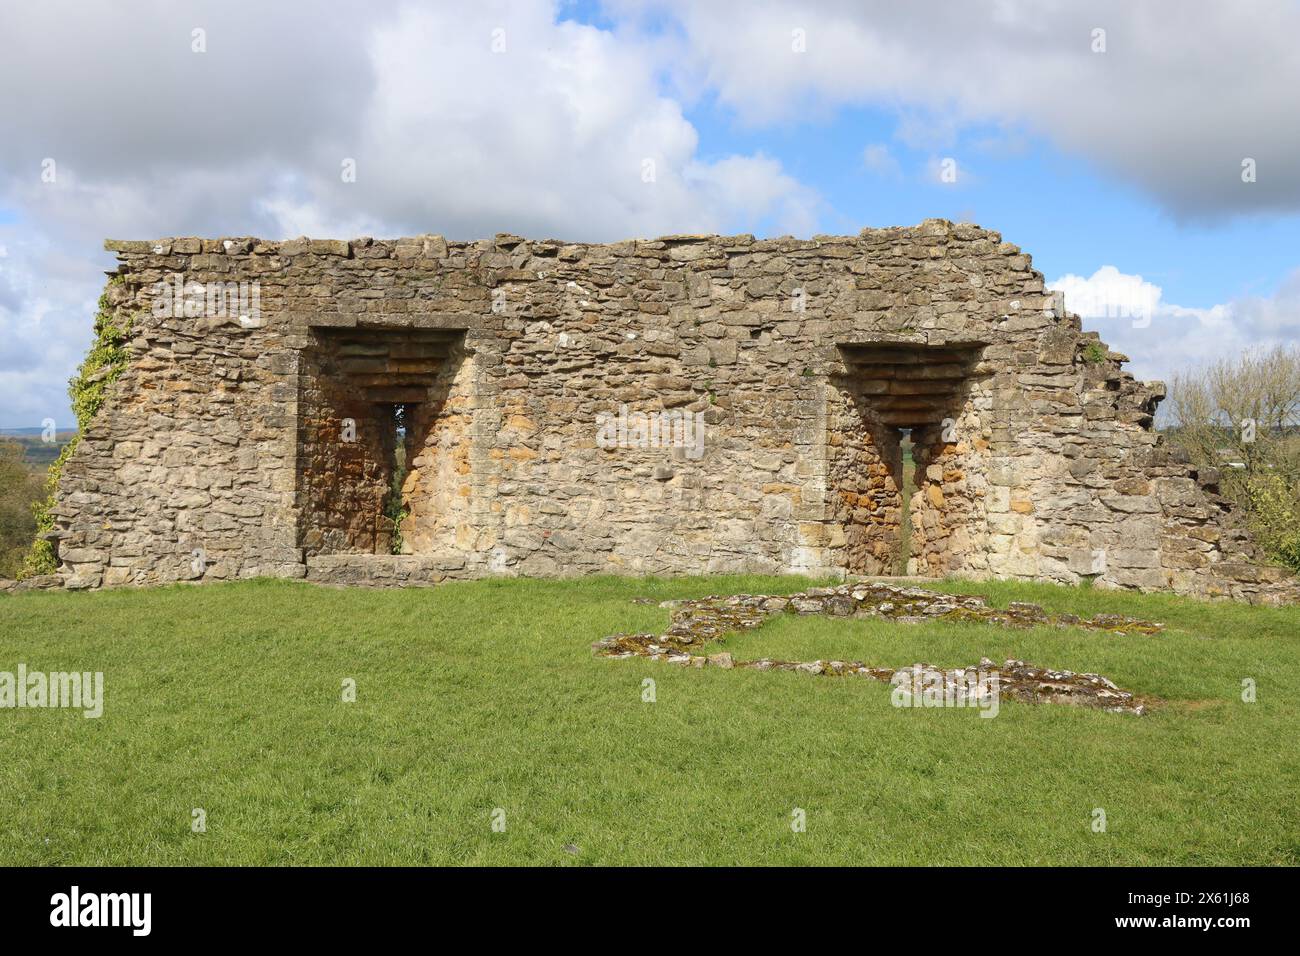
(370, 398)
(889, 388)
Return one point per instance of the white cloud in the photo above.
(1185, 90)
(548, 137)
(46, 300)
(877, 158)
(1109, 294)
(1163, 337)
(551, 136)
(542, 127)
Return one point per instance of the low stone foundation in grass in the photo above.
(696, 623)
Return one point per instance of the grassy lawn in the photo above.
(482, 695)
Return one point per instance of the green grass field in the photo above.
(485, 695)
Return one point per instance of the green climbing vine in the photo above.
(87, 389)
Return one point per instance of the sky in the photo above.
(1147, 155)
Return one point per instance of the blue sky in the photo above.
(1068, 215)
(1115, 165)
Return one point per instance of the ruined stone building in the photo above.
(535, 395)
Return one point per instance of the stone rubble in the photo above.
(694, 624)
(37, 582)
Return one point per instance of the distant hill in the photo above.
(37, 454)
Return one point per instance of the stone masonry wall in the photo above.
(865, 478)
(217, 439)
(343, 485)
(439, 482)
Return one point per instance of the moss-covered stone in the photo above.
(694, 624)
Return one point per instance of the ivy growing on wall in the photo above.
(87, 389)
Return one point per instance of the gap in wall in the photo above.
(900, 492)
(396, 506)
(905, 518)
(368, 401)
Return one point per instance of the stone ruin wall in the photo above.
(344, 481)
(1035, 450)
(865, 473)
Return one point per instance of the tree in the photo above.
(19, 488)
(1242, 415)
